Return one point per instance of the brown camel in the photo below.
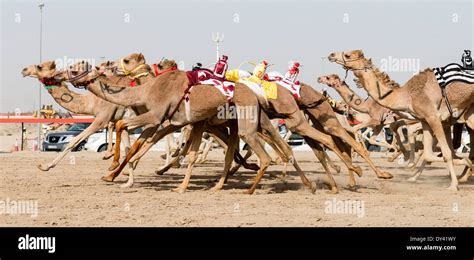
(163, 96)
(420, 98)
(105, 112)
(317, 151)
(379, 116)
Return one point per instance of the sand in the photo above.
(72, 194)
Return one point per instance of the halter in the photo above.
(50, 83)
(344, 61)
(129, 72)
(72, 79)
(158, 72)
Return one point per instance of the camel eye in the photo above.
(39, 67)
(347, 55)
(126, 60)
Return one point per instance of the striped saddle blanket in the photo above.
(453, 72)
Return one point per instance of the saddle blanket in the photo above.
(206, 77)
(453, 72)
(293, 87)
(225, 87)
(266, 89)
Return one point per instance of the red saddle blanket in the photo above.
(199, 75)
(206, 77)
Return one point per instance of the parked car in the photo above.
(98, 142)
(465, 143)
(57, 141)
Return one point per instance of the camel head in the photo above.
(106, 68)
(341, 106)
(80, 74)
(44, 70)
(331, 80)
(349, 59)
(129, 64)
(167, 64)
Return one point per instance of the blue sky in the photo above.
(433, 33)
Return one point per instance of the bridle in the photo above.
(158, 72)
(344, 64)
(72, 79)
(129, 73)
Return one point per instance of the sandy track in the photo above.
(74, 195)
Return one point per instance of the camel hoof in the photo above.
(312, 187)
(464, 178)
(44, 168)
(358, 171)
(351, 187)
(411, 165)
(107, 156)
(453, 188)
(334, 190)
(412, 179)
(385, 175)
(248, 192)
(126, 185)
(179, 190)
(160, 171)
(114, 166)
(107, 178)
(390, 159)
(215, 189)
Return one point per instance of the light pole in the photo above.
(41, 5)
(217, 38)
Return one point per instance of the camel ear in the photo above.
(53, 65)
(140, 56)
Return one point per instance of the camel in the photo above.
(421, 98)
(105, 112)
(379, 116)
(315, 106)
(311, 103)
(163, 99)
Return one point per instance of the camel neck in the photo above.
(69, 100)
(117, 94)
(393, 98)
(351, 98)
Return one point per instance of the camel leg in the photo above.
(332, 126)
(149, 131)
(331, 163)
(130, 123)
(232, 146)
(126, 145)
(467, 172)
(110, 131)
(96, 125)
(287, 154)
(446, 149)
(297, 123)
(394, 127)
(205, 151)
(196, 137)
